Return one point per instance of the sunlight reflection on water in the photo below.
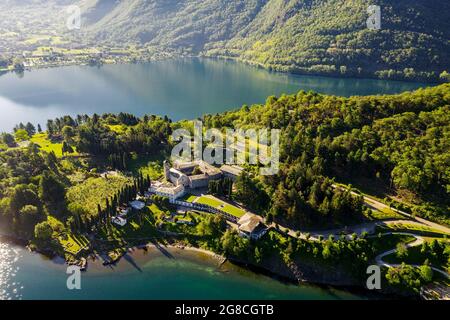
(9, 289)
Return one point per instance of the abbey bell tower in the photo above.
(166, 170)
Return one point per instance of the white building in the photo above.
(137, 205)
(192, 175)
(119, 221)
(252, 226)
(167, 190)
(123, 211)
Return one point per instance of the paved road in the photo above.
(370, 202)
(370, 228)
(418, 242)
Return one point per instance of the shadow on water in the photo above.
(131, 261)
(163, 250)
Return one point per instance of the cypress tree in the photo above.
(124, 161)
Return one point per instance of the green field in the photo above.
(137, 230)
(235, 211)
(93, 191)
(410, 227)
(210, 201)
(189, 198)
(384, 214)
(48, 146)
(221, 205)
(155, 209)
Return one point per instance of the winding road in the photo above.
(418, 242)
(378, 205)
(370, 228)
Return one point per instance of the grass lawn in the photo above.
(155, 209)
(95, 191)
(139, 229)
(219, 204)
(384, 214)
(47, 145)
(407, 227)
(189, 198)
(235, 211)
(133, 232)
(210, 201)
(388, 242)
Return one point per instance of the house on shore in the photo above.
(252, 226)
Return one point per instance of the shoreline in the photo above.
(161, 247)
(196, 253)
(195, 261)
(426, 83)
(220, 260)
(209, 253)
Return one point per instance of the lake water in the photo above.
(181, 89)
(177, 274)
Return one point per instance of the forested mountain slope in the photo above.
(307, 36)
(399, 142)
(328, 37)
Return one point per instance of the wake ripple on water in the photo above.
(9, 289)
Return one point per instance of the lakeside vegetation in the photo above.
(399, 142)
(64, 203)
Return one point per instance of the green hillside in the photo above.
(326, 37)
(306, 36)
(395, 146)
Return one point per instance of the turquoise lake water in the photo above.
(152, 275)
(181, 89)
